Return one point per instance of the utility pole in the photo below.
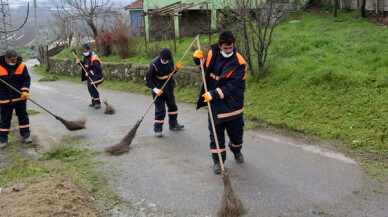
(65, 31)
(36, 24)
(5, 22)
(75, 31)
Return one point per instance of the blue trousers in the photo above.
(94, 93)
(20, 108)
(235, 130)
(160, 110)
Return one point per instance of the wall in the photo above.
(188, 75)
(135, 21)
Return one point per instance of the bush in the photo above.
(153, 51)
(125, 41)
(328, 8)
(104, 42)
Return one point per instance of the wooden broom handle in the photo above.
(210, 111)
(28, 97)
(169, 77)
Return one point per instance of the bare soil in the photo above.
(46, 196)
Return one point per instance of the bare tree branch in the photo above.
(254, 21)
(85, 10)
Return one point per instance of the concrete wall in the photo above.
(188, 75)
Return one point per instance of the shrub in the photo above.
(123, 38)
(104, 42)
(383, 21)
(153, 51)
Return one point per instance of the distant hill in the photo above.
(25, 35)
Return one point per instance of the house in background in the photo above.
(370, 5)
(376, 6)
(135, 17)
(166, 19)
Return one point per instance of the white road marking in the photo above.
(314, 149)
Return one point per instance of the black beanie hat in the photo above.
(165, 54)
(226, 37)
(86, 46)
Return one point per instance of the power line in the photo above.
(5, 23)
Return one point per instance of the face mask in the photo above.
(164, 62)
(226, 55)
(11, 64)
(86, 54)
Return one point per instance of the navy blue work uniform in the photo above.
(156, 76)
(225, 78)
(18, 77)
(93, 67)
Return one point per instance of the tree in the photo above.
(62, 22)
(254, 22)
(85, 10)
(363, 11)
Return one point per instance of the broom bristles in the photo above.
(108, 108)
(231, 205)
(72, 125)
(123, 146)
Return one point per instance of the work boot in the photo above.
(158, 134)
(3, 145)
(97, 106)
(217, 168)
(176, 127)
(239, 157)
(28, 140)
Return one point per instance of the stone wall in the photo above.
(188, 75)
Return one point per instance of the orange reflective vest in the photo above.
(18, 71)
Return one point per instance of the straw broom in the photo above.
(231, 205)
(70, 125)
(123, 146)
(108, 108)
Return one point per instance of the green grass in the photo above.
(21, 167)
(65, 154)
(328, 78)
(32, 112)
(49, 78)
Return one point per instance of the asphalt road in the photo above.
(172, 176)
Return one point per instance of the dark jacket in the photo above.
(93, 67)
(225, 79)
(17, 76)
(158, 73)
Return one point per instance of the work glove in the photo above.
(78, 61)
(157, 91)
(198, 54)
(178, 65)
(207, 96)
(25, 95)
